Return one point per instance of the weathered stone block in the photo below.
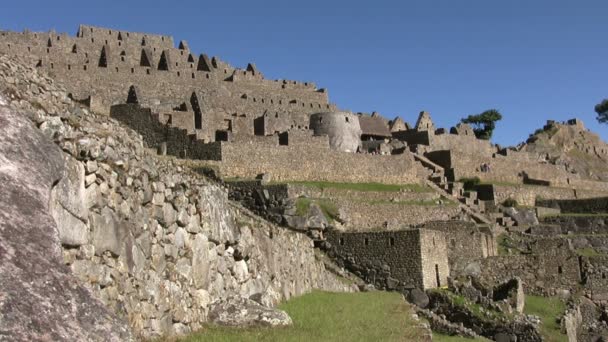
(72, 231)
(108, 232)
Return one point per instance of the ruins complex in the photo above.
(140, 119)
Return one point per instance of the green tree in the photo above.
(483, 124)
(602, 111)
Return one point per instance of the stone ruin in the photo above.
(193, 106)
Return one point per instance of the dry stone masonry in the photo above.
(150, 184)
(157, 244)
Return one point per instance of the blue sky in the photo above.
(532, 60)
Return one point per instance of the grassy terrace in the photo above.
(576, 215)
(548, 309)
(445, 202)
(366, 186)
(588, 252)
(322, 316)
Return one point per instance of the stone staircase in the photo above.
(467, 200)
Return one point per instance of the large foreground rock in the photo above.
(39, 299)
(242, 312)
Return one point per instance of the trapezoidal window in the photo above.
(103, 58)
(163, 64)
(391, 241)
(221, 135)
(145, 60)
(198, 116)
(132, 96)
(366, 241)
(437, 275)
(341, 241)
(284, 139)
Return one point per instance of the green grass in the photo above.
(576, 215)
(366, 186)
(323, 316)
(548, 309)
(588, 252)
(329, 209)
(437, 337)
(432, 202)
(506, 246)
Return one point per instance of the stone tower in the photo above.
(342, 128)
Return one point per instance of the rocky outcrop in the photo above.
(40, 299)
(154, 241)
(485, 321)
(441, 325)
(521, 216)
(510, 295)
(243, 312)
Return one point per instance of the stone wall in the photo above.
(541, 274)
(595, 276)
(435, 265)
(527, 195)
(173, 141)
(101, 64)
(465, 242)
(155, 242)
(597, 205)
(577, 224)
(395, 260)
(368, 215)
(404, 195)
(297, 156)
(315, 161)
(266, 200)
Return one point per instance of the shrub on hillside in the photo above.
(510, 202)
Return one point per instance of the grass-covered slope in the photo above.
(548, 309)
(323, 316)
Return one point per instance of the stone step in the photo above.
(468, 201)
(437, 179)
(505, 221)
(470, 194)
(455, 192)
(481, 206)
(495, 216)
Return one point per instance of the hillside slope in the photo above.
(570, 144)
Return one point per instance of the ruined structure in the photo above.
(166, 248)
(342, 128)
(396, 260)
(205, 96)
